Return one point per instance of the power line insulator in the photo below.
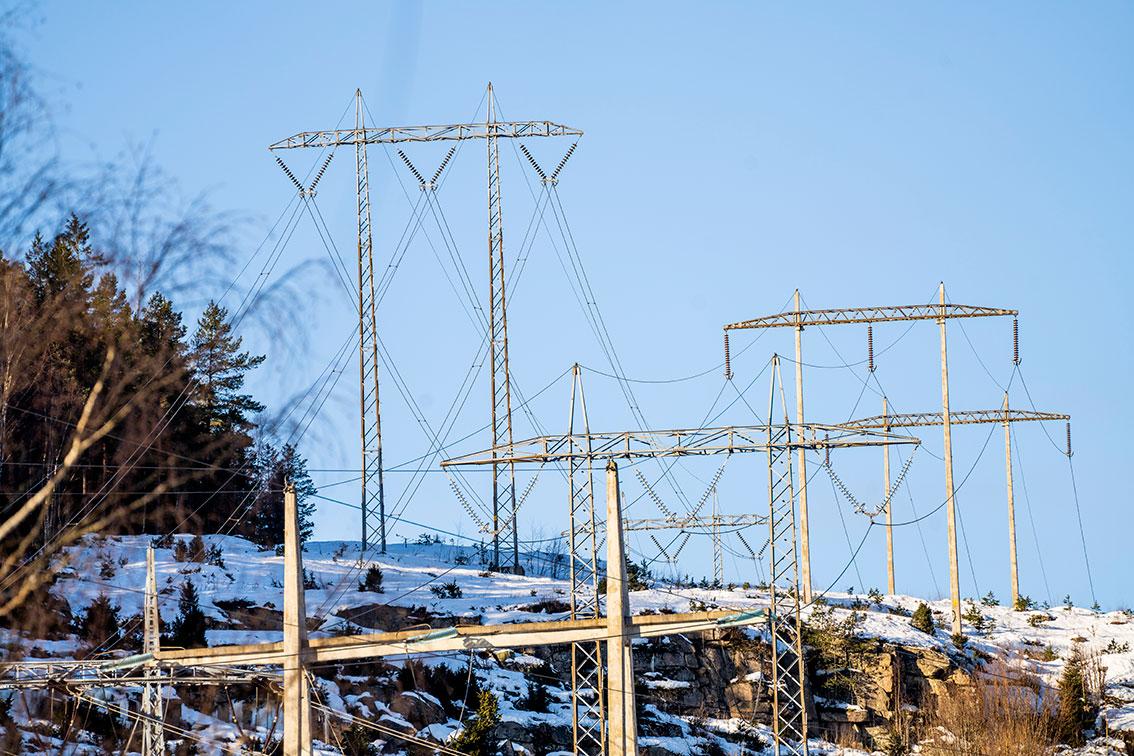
(1015, 341)
(290, 175)
(441, 168)
(727, 359)
(827, 449)
(870, 348)
(535, 165)
(319, 175)
(416, 174)
(1069, 452)
(563, 162)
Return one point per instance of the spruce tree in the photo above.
(220, 368)
(923, 619)
(1074, 713)
(100, 624)
(188, 629)
(277, 468)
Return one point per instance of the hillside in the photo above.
(698, 695)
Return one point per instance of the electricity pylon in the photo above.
(505, 545)
(779, 441)
(1004, 416)
(940, 312)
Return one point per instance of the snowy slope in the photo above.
(116, 566)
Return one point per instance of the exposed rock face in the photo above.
(725, 674)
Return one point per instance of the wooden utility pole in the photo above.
(1011, 503)
(889, 509)
(622, 729)
(940, 312)
(950, 493)
(297, 703)
(801, 460)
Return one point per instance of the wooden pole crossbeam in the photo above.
(1004, 416)
(940, 312)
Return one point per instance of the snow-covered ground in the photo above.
(1035, 641)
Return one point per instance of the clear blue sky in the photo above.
(861, 152)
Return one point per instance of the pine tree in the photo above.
(161, 330)
(188, 629)
(268, 514)
(220, 369)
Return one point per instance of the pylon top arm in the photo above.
(675, 443)
(849, 315)
(453, 132)
(961, 417)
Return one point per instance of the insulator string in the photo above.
(563, 162)
(1015, 341)
(727, 359)
(319, 175)
(441, 168)
(416, 174)
(870, 348)
(1069, 452)
(290, 175)
(535, 165)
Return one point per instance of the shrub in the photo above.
(1035, 620)
(193, 551)
(1024, 604)
(447, 590)
(923, 619)
(358, 740)
(106, 569)
(990, 599)
(372, 581)
(638, 577)
(875, 596)
(974, 617)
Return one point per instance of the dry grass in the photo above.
(1000, 714)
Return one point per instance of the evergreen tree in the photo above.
(1074, 714)
(923, 619)
(268, 514)
(100, 624)
(220, 368)
(188, 629)
(474, 738)
(161, 330)
(64, 266)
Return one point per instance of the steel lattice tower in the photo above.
(788, 700)
(587, 685)
(503, 480)
(153, 732)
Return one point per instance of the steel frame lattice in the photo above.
(504, 530)
(373, 477)
(587, 684)
(788, 675)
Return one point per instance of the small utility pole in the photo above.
(622, 731)
(297, 703)
(889, 509)
(950, 493)
(801, 460)
(1011, 502)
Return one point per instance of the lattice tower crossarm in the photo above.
(505, 550)
(957, 417)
